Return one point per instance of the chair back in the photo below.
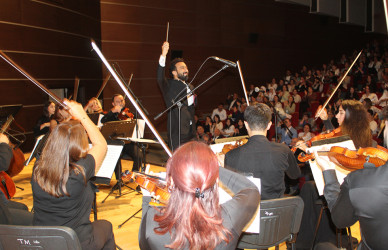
(279, 221)
(38, 237)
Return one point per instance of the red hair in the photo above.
(193, 222)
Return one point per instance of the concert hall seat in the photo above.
(38, 237)
(279, 221)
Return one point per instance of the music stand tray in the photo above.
(110, 130)
(7, 110)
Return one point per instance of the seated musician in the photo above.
(352, 118)
(266, 160)
(93, 106)
(193, 217)
(361, 197)
(13, 213)
(61, 186)
(42, 126)
(117, 113)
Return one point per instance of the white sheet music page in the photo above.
(110, 161)
(316, 170)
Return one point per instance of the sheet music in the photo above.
(110, 161)
(316, 170)
(99, 123)
(140, 129)
(253, 225)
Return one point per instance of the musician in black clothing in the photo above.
(172, 90)
(117, 113)
(11, 212)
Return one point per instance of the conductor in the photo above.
(172, 90)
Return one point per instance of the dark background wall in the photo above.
(51, 40)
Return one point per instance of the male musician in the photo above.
(174, 89)
(266, 160)
(11, 212)
(119, 112)
(118, 104)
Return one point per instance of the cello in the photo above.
(17, 161)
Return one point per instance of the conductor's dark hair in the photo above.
(173, 64)
(258, 116)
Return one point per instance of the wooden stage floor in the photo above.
(114, 209)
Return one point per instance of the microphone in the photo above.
(230, 63)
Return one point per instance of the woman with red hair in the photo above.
(193, 217)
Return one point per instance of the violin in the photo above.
(319, 139)
(238, 143)
(351, 160)
(125, 114)
(152, 184)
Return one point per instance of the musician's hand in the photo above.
(116, 109)
(4, 138)
(323, 162)
(165, 48)
(221, 159)
(75, 109)
(302, 145)
(323, 115)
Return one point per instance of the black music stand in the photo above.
(110, 131)
(7, 110)
(142, 143)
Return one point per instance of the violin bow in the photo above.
(131, 98)
(129, 83)
(242, 81)
(103, 85)
(338, 85)
(76, 86)
(32, 79)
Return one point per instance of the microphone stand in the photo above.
(179, 104)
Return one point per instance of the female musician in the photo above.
(42, 126)
(353, 120)
(93, 106)
(61, 185)
(193, 217)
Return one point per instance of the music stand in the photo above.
(110, 163)
(7, 110)
(142, 143)
(111, 130)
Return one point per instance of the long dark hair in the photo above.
(356, 123)
(194, 222)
